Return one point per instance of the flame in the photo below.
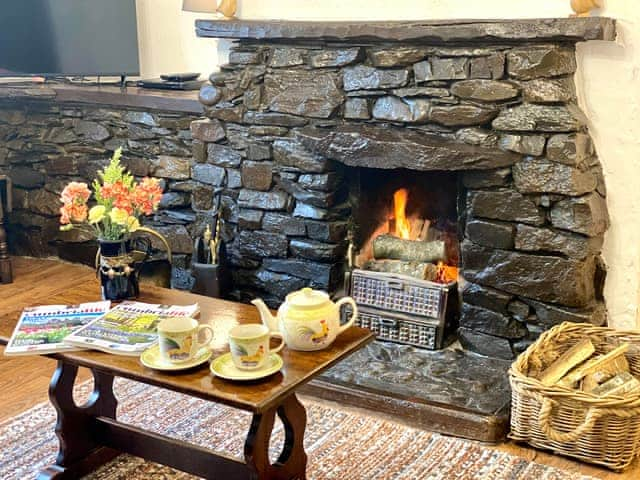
(446, 273)
(403, 227)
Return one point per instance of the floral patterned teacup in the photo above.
(249, 345)
(179, 339)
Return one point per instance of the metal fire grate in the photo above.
(403, 309)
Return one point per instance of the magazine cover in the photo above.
(41, 329)
(128, 329)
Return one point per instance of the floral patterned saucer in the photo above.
(151, 358)
(224, 367)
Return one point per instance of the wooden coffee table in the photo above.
(90, 435)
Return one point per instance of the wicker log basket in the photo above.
(600, 430)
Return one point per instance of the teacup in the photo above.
(249, 345)
(179, 338)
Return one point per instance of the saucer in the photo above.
(224, 367)
(151, 358)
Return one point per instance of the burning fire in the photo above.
(446, 273)
(403, 227)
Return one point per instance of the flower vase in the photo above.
(118, 270)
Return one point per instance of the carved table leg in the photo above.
(80, 451)
(292, 462)
(6, 275)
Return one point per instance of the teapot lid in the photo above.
(307, 298)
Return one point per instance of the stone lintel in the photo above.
(426, 31)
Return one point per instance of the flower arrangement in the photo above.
(120, 202)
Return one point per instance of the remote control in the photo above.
(179, 77)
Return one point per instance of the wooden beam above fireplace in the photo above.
(432, 31)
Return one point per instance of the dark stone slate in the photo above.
(491, 234)
(145, 148)
(496, 347)
(545, 278)
(279, 284)
(207, 130)
(551, 315)
(184, 186)
(257, 175)
(538, 175)
(304, 210)
(323, 182)
(485, 90)
(226, 112)
(44, 202)
(281, 223)
(61, 135)
(182, 216)
(587, 215)
(263, 200)
(441, 69)
(310, 197)
(287, 57)
(574, 149)
(139, 132)
(357, 109)
(490, 67)
(477, 136)
(174, 199)
(223, 156)
(26, 177)
(12, 117)
(533, 239)
(253, 98)
(312, 250)
(259, 151)
(397, 56)
(398, 110)
(366, 93)
(421, 92)
(489, 322)
(209, 174)
(529, 63)
(176, 168)
(250, 219)
(486, 297)
(266, 131)
(234, 178)
(274, 119)
(142, 118)
(242, 57)
(549, 90)
(539, 118)
(290, 153)
(170, 147)
(462, 115)
(368, 78)
(487, 178)
(526, 144)
(334, 58)
(318, 272)
(209, 95)
(519, 310)
(388, 148)
(333, 232)
(202, 198)
(199, 151)
(504, 205)
(177, 236)
(259, 244)
(92, 131)
(299, 92)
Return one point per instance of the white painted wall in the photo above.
(608, 80)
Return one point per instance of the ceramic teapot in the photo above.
(308, 319)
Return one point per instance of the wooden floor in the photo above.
(24, 382)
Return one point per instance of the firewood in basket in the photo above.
(622, 384)
(422, 271)
(599, 363)
(568, 360)
(608, 371)
(394, 248)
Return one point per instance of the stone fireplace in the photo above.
(304, 111)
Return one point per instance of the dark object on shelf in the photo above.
(171, 85)
(180, 77)
(6, 275)
(403, 309)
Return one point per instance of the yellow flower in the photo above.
(132, 224)
(96, 214)
(119, 216)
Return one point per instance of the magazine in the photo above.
(41, 329)
(128, 329)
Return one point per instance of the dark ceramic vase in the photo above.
(118, 270)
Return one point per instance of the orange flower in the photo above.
(147, 195)
(75, 192)
(73, 212)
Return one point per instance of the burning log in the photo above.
(422, 271)
(394, 248)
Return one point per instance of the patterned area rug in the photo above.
(342, 445)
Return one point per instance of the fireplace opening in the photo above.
(404, 254)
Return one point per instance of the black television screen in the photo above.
(68, 37)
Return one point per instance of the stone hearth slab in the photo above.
(450, 391)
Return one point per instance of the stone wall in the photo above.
(45, 144)
(284, 119)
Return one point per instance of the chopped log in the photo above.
(422, 271)
(394, 248)
(568, 360)
(424, 232)
(622, 384)
(616, 366)
(599, 363)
